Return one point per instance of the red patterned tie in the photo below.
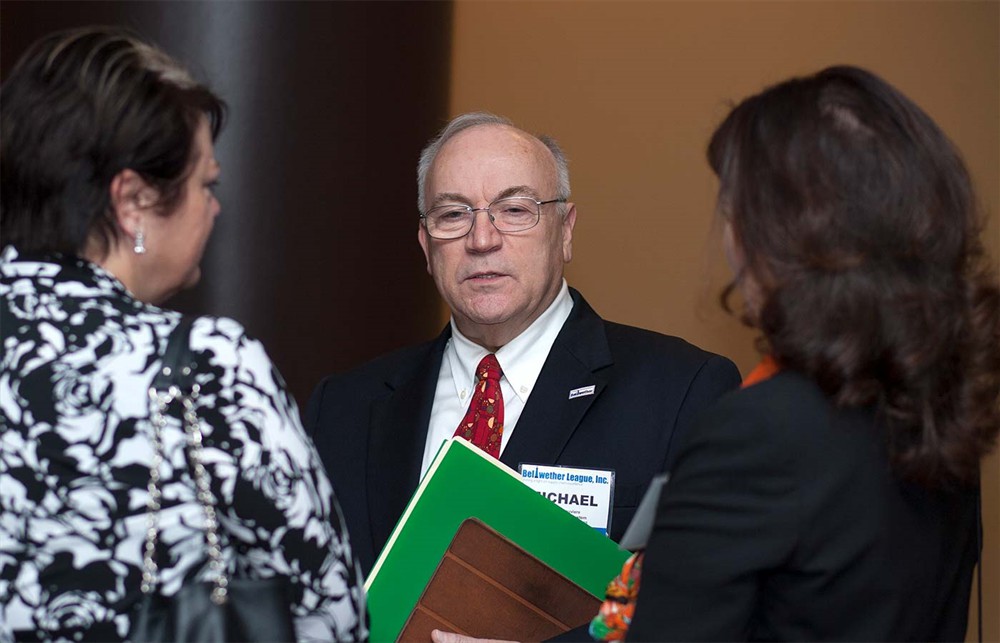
(483, 422)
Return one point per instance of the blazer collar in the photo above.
(579, 359)
(397, 433)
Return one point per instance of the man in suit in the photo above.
(496, 229)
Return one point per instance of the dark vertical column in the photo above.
(330, 103)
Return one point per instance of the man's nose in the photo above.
(483, 236)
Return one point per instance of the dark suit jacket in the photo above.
(370, 424)
(782, 521)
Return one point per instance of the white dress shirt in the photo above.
(521, 361)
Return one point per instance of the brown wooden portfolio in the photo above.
(486, 586)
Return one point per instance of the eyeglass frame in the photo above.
(473, 211)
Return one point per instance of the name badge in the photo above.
(585, 493)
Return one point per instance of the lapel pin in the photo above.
(580, 392)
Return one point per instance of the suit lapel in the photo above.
(397, 434)
(578, 359)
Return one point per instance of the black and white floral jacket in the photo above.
(79, 353)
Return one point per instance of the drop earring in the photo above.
(140, 243)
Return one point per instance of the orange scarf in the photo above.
(767, 368)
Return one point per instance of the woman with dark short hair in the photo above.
(835, 496)
(107, 172)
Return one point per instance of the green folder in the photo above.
(463, 482)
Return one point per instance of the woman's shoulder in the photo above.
(226, 344)
(224, 337)
(788, 406)
(221, 329)
(784, 394)
(789, 413)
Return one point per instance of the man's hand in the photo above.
(450, 637)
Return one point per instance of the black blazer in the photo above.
(782, 521)
(370, 424)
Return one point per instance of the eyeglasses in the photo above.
(510, 214)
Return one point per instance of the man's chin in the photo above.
(490, 319)
(488, 306)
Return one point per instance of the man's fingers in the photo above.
(450, 637)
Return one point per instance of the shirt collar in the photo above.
(521, 359)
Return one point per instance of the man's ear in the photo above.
(569, 220)
(131, 198)
(424, 241)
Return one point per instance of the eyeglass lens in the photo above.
(512, 214)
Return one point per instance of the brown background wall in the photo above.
(633, 90)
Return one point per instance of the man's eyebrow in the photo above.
(517, 190)
(449, 197)
(455, 197)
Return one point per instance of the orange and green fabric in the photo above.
(612, 621)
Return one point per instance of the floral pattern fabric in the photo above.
(615, 615)
(78, 356)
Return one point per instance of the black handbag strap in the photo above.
(176, 358)
(175, 383)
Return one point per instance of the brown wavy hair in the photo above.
(860, 233)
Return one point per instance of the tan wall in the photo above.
(633, 89)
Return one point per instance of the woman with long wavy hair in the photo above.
(835, 495)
